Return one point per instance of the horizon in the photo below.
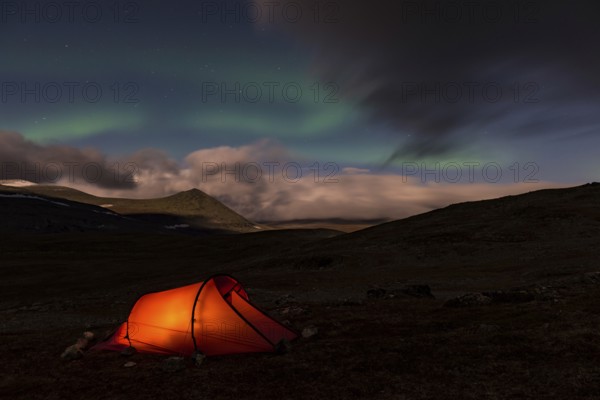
(19, 183)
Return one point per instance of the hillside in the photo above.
(190, 210)
(507, 241)
(392, 342)
(29, 213)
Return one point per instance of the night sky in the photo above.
(383, 87)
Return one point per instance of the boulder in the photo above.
(376, 293)
(469, 300)
(309, 331)
(591, 278)
(72, 353)
(198, 358)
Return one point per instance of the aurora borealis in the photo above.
(368, 87)
(168, 58)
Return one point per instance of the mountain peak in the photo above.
(190, 194)
(194, 191)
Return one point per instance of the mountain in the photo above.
(507, 241)
(193, 207)
(528, 217)
(191, 211)
(29, 213)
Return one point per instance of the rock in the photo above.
(82, 343)
(376, 293)
(317, 262)
(591, 278)
(283, 346)
(469, 300)
(129, 364)
(72, 353)
(76, 351)
(129, 351)
(292, 310)
(198, 358)
(173, 364)
(309, 331)
(351, 302)
(523, 294)
(421, 291)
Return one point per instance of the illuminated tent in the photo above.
(214, 317)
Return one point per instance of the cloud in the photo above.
(264, 182)
(24, 159)
(444, 72)
(355, 171)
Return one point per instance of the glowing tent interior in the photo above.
(214, 317)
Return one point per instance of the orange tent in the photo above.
(214, 317)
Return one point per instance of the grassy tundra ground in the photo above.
(541, 342)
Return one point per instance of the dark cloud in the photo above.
(448, 70)
(23, 159)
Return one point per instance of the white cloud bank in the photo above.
(261, 182)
